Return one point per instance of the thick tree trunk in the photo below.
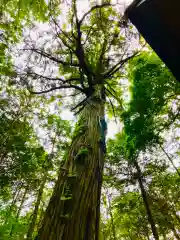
(146, 203)
(35, 213)
(74, 209)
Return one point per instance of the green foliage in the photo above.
(18, 157)
(19, 226)
(152, 87)
(80, 159)
(153, 102)
(24, 160)
(80, 128)
(130, 215)
(83, 151)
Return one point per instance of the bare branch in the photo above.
(46, 91)
(56, 88)
(115, 97)
(109, 85)
(88, 34)
(92, 9)
(65, 34)
(117, 66)
(49, 56)
(83, 106)
(112, 106)
(168, 124)
(80, 104)
(103, 51)
(79, 49)
(33, 74)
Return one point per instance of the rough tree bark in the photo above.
(74, 209)
(146, 203)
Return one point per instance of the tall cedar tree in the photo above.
(89, 52)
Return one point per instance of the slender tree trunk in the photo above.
(14, 200)
(146, 204)
(111, 215)
(73, 212)
(171, 161)
(22, 202)
(35, 213)
(19, 209)
(40, 218)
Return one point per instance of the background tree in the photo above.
(144, 122)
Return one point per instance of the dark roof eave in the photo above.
(159, 23)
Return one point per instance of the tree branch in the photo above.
(112, 106)
(65, 34)
(80, 103)
(80, 109)
(170, 159)
(92, 9)
(171, 121)
(47, 55)
(79, 49)
(54, 79)
(115, 97)
(117, 66)
(88, 34)
(59, 87)
(103, 51)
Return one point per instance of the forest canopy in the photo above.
(72, 73)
